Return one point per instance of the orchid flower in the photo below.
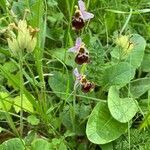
(85, 15)
(86, 86)
(77, 46)
(78, 77)
(77, 74)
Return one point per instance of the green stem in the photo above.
(126, 23)
(74, 108)
(21, 92)
(129, 138)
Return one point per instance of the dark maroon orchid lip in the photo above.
(81, 58)
(77, 23)
(87, 87)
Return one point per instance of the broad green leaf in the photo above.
(12, 144)
(119, 74)
(101, 127)
(64, 56)
(61, 84)
(122, 109)
(139, 87)
(26, 105)
(136, 54)
(145, 66)
(40, 144)
(5, 101)
(33, 120)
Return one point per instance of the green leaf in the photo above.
(101, 127)
(52, 3)
(63, 55)
(12, 144)
(145, 63)
(139, 87)
(40, 144)
(5, 51)
(119, 74)
(135, 56)
(122, 109)
(30, 137)
(10, 66)
(33, 120)
(26, 105)
(5, 101)
(57, 144)
(60, 84)
(3, 4)
(16, 84)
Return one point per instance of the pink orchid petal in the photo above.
(77, 74)
(81, 5)
(73, 49)
(87, 16)
(78, 42)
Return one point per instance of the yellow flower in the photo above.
(124, 42)
(13, 45)
(24, 38)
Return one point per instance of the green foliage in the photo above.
(13, 144)
(139, 87)
(96, 67)
(122, 109)
(5, 101)
(119, 74)
(145, 63)
(61, 84)
(139, 140)
(39, 102)
(101, 127)
(33, 120)
(58, 144)
(39, 144)
(135, 55)
(63, 56)
(26, 105)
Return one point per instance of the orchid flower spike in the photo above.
(84, 14)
